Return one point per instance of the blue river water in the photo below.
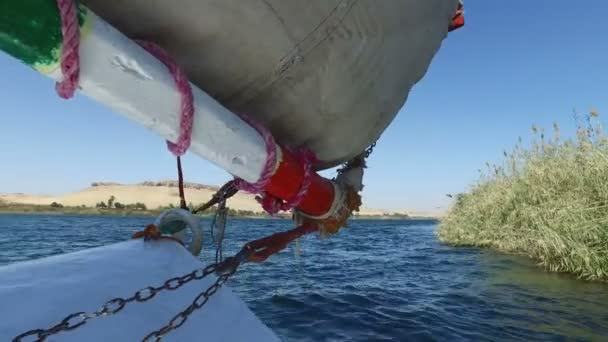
(374, 281)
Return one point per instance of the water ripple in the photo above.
(374, 281)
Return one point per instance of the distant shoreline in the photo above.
(150, 198)
(31, 209)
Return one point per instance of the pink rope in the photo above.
(70, 59)
(271, 204)
(70, 68)
(307, 158)
(187, 100)
(269, 166)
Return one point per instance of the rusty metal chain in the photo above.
(225, 269)
(75, 320)
(356, 161)
(369, 150)
(225, 192)
(179, 319)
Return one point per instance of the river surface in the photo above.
(374, 281)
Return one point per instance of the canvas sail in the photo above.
(326, 74)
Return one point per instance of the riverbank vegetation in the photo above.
(116, 208)
(110, 207)
(121, 210)
(548, 201)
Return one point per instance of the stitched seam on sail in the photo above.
(251, 91)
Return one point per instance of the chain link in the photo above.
(225, 192)
(357, 161)
(370, 150)
(179, 319)
(225, 269)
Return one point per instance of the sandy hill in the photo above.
(153, 195)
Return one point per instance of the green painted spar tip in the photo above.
(30, 30)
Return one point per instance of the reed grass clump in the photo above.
(548, 201)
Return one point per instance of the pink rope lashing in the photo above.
(70, 68)
(308, 159)
(269, 165)
(271, 204)
(187, 100)
(70, 58)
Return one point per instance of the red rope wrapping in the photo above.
(265, 247)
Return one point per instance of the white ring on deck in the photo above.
(191, 221)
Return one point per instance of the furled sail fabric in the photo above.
(327, 74)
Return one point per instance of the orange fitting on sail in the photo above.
(287, 181)
(458, 19)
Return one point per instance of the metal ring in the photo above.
(177, 216)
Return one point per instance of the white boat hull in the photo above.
(40, 293)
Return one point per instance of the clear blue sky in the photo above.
(514, 63)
